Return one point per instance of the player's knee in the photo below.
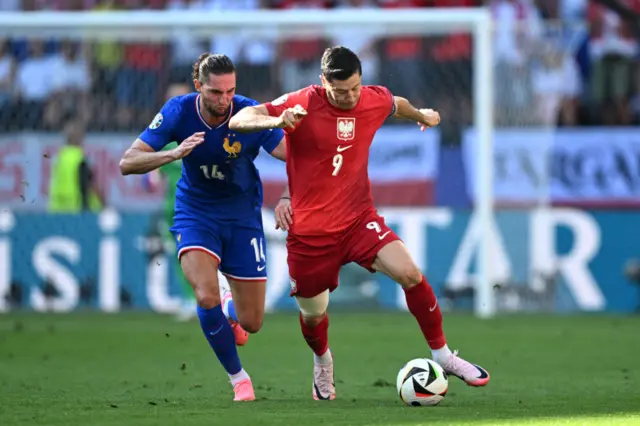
(313, 309)
(409, 276)
(206, 296)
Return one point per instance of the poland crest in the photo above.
(346, 128)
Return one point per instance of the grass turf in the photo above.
(145, 369)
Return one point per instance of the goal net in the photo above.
(112, 71)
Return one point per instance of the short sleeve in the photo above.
(289, 100)
(160, 132)
(269, 139)
(385, 99)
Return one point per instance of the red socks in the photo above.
(423, 305)
(317, 337)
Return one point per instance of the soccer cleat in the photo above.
(323, 384)
(240, 333)
(471, 374)
(244, 391)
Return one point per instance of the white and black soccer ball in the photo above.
(422, 382)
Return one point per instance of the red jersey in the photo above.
(328, 157)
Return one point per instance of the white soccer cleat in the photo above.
(323, 384)
(471, 374)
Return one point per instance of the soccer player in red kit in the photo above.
(330, 129)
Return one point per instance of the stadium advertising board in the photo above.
(591, 167)
(403, 166)
(114, 261)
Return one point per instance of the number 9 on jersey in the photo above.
(337, 164)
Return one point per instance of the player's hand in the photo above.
(284, 214)
(290, 117)
(431, 119)
(188, 145)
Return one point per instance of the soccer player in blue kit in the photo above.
(218, 221)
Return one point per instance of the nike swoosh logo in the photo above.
(381, 237)
(260, 268)
(434, 307)
(483, 372)
(343, 148)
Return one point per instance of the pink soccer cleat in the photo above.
(471, 374)
(244, 391)
(323, 384)
(241, 335)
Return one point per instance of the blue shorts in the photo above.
(240, 248)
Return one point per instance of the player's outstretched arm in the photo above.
(253, 119)
(141, 158)
(256, 118)
(424, 117)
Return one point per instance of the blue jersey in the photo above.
(219, 179)
(219, 195)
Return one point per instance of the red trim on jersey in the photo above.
(211, 253)
(245, 279)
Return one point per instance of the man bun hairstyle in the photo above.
(212, 63)
(340, 63)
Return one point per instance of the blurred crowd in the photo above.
(557, 62)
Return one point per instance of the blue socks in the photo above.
(218, 332)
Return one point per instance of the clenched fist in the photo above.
(431, 118)
(291, 117)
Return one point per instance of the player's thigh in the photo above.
(249, 299)
(313, 307)
(198, 255)
(245, 266)
(366, 238)
(314, 265)
(244, 252)
(395, 261)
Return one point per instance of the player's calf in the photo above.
(228, 307)
(251, 321)
(249, 302)
(201, 269)
(314, 323)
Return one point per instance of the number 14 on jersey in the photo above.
(212, 172)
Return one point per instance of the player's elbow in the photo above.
(124, 169)
(125, 164)
(244, 120)
(236, 122)
(401, 106)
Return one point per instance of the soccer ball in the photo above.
(422, 382)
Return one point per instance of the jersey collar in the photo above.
(205, 121)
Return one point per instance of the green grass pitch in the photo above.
(145, 369)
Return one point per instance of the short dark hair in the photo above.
(210, 63)
(340, 63)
